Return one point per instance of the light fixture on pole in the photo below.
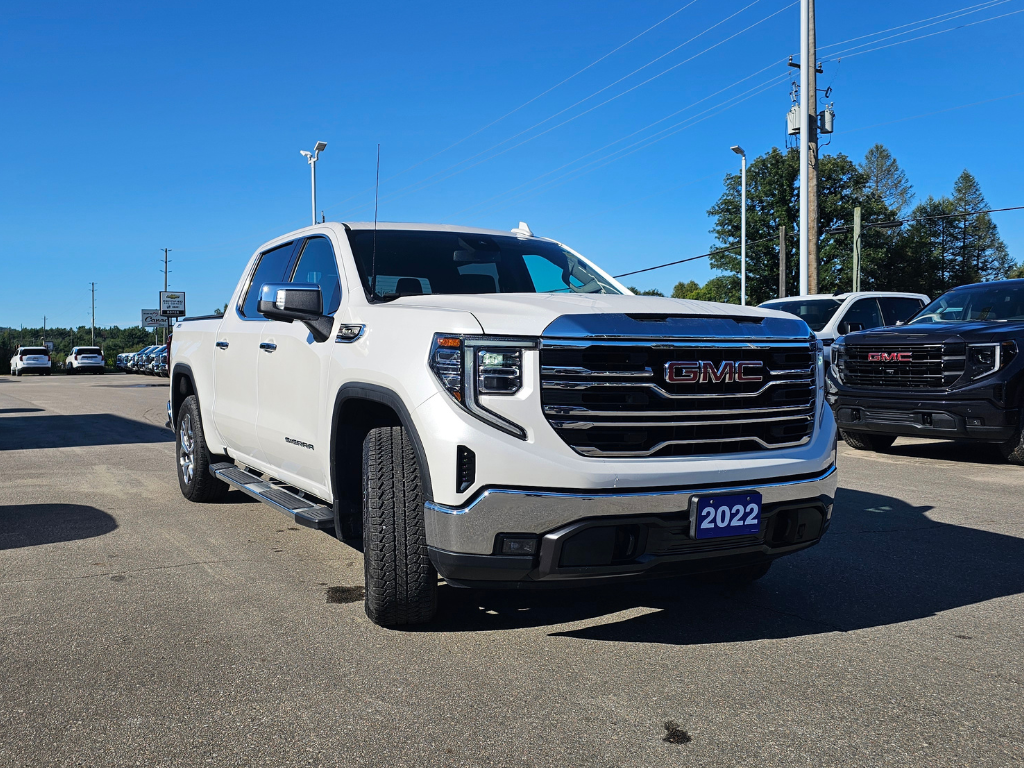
(804, 113)
(743, 224)
(312, 157)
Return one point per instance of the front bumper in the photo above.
(936, 418)
(574, 530)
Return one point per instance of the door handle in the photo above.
(222, 344)
(266, 346)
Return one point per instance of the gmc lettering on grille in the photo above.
(701, 371)
(890, 357)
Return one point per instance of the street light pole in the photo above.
(743, 224)
(311, 158)
(804, 95)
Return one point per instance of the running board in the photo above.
(302, 510)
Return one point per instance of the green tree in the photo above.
(723, 288)
(976, 251)
(637, 291)
(885, 180)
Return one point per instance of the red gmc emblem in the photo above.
(890, 357)
(701, 371)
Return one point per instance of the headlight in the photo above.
(986, 359)
(839, 359)
(470, 366)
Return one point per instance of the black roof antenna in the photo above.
(373, 258)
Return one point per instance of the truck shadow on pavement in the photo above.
(882, 562)
(29, 525)
(19, 433)
(948, 450)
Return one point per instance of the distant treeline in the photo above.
(113, 341)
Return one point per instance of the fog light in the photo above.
(519, 545)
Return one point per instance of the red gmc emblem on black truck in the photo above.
(890, 357)
(701, 371)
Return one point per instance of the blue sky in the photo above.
(132, 127)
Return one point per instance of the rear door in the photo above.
(899, 309)
(237, 354)
(292, 423)
(865, 312)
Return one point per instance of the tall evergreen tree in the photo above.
(885, 180)
(977, 251)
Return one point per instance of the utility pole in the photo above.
(166, 250)
(44, 330)
(311, 158)
(782, 262)
(811, 163)
(804, 85)
(856, 249)
(743, 224)
(93, 313)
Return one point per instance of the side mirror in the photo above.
(296, 301)
(845, 328)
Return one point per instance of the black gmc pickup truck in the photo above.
(953, 371)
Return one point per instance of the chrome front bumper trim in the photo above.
(472, 528)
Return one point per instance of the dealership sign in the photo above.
(151, 318)
(172, 303)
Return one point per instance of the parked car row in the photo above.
(151, 360)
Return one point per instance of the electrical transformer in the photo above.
(826, 120)
(793, 121)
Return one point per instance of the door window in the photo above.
(270, 269)
(865, 312)
(898, 309)
(318, 265)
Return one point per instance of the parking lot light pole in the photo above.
(311, 158)
(743, 224)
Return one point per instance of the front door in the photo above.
(236, 358)
(294, 420)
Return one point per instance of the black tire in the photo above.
(864, 441)
(192, 457)
(401, 583)
(736, 577)
(1013, 449)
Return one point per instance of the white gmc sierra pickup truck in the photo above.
(495, 408)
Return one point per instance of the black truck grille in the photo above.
(889, 366)
(612, 398)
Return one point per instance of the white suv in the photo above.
(30, 360)
(833, 316)
(84, 360)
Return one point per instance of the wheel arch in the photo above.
(183, 384)
(358, 408)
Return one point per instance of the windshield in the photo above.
(991, 302)
(815, 312)
(413, 263)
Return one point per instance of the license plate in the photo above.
(735, 515)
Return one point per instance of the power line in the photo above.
(694, 258)
(929, 114)
(970, 8)
(879, 224)
(426, 182)
(845, 55)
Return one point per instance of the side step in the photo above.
(302, 510)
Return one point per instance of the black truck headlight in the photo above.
(986, 359)
(470, 366)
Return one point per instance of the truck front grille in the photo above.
(891, 366)
(612, 398)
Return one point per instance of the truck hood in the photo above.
(936, 333)
(535, 314)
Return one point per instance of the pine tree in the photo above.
(977, 251)
(885, 180)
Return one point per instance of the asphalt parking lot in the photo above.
(139, 629)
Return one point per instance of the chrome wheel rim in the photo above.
(187, 449)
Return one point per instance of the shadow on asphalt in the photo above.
(29, 525)
(963, 451)
(882, 562)
(4, 411)
(19, 433)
